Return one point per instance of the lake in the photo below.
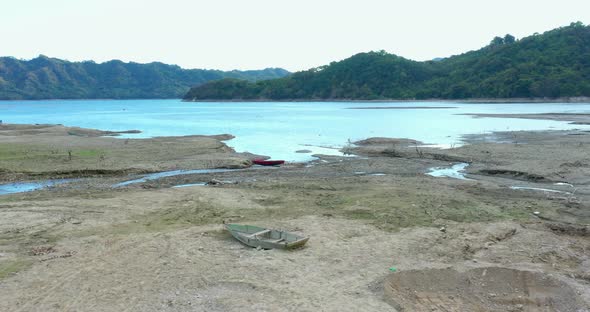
(279, 129)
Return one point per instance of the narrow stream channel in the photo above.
(22, 187)
(526, 188)
(165, 174)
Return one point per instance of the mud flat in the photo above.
(573, 118)
(55, 151)
(153, 247)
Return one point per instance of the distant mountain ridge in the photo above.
(551, 65)
(51, 78)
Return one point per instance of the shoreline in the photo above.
(466, 139)
(572, 100)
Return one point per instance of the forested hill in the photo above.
(50, 78)
(552, 64)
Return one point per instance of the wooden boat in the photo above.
(255, 236)
(263, 162)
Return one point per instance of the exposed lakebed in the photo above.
(384, 195)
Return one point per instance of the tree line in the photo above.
(51, 78)
(549, 65)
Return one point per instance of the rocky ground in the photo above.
(151, 247)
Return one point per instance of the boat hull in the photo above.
(258, 237)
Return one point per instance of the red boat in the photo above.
(263, 162)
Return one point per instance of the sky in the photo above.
(255, 34)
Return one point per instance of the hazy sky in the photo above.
(251, 34)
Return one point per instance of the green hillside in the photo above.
(50, 78)
(553, 64)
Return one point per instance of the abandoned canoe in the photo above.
(255, 236)
(263, 162)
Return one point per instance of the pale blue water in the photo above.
(159, 175)
(190, 185)
(280, 129)
(455, 172)
(527, 188)
(21, 187)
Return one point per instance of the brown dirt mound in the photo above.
(481, 289)
(512, 174)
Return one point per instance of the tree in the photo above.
(497, 41)
(508, 39)
(577, 24)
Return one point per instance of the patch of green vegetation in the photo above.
(45, 236)
(166, 219)
(270, 201)
(13, 155)
(11, 151)
(30, 159)
(28, 236)
(10, 267)
(88, 153)
(360, 214)
(423, 210)
(389, 208)
(8, 199)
